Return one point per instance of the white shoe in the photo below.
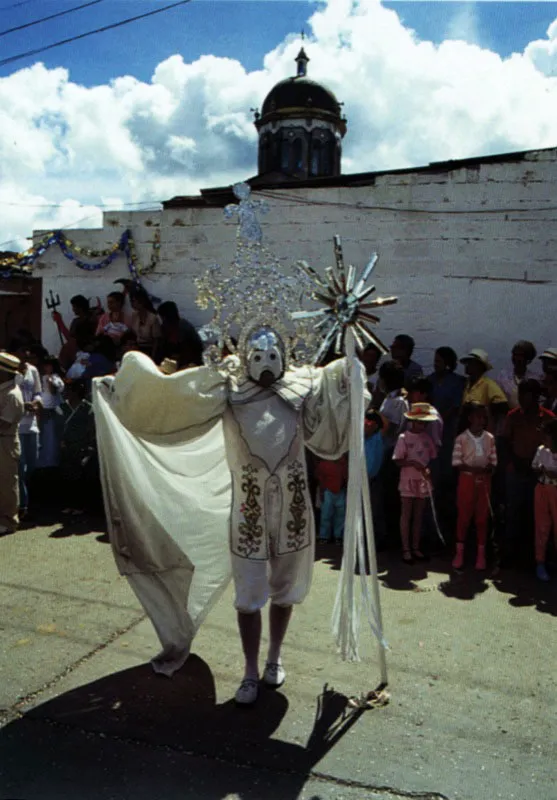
(247, 692)
(274, 675)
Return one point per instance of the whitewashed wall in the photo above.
(469, 251)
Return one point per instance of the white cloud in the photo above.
(543, 52)
(464, 24)
(408, 102)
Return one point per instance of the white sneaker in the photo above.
(247, 692)
(274, 675)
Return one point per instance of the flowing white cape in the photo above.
(167, 495)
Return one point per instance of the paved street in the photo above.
(472, 675)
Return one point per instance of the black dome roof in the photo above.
(300, 92)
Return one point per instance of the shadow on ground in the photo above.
(526, 590)
(135, 734)
(79, 526)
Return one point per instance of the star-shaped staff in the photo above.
(346, 304)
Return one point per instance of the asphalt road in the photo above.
(471, 674)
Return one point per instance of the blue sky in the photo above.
(162, 106)
(245, 30)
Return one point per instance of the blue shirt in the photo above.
(447, 392)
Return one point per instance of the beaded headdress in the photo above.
(255, 293)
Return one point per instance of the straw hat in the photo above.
(168, 366)
(477, 355)
(9, 363)
(421, 412)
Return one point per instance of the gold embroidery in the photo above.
(250, 532)
(297, 526)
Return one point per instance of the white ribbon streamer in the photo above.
(358, 534)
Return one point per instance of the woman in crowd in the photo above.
(522, 355)
(144, 322)
(115, 321)
(82, 327)
(179, 339)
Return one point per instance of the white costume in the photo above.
(204, 471)
(260, 444)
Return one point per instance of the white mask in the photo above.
(265, 354)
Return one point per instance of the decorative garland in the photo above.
(22, 263)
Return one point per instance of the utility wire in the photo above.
(83, 205)
(52, 16)
(17, 5)
(70, 224)
(19, 56)
(290, 198)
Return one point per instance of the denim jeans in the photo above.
(333, 513)
(27, 464)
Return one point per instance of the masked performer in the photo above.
(204, 471)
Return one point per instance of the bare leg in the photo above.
(405, 516)
(250, 634)
(419, 505)
(279, 617)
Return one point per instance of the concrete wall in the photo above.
(469, 251)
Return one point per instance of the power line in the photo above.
(16, 5)
(290, 198)
(52, 16)
(19, 56)
(82, 205)
(70, 224)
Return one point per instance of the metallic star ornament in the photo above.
(346, 304)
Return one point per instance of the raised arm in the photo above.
(148, 402)
(326, 415)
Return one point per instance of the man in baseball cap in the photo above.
(549, 359)
(11, 411)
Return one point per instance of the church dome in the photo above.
(298, 93)
(300, 128)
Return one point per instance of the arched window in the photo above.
(327, 161)
(297, 156)
(285, 155)
(264, 153)
(316, 157)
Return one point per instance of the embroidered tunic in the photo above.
(265, 433)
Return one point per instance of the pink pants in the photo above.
(473, 503)
(545, 513)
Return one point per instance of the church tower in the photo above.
(300, 128)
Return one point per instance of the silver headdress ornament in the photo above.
(346, 305)
(255, 294)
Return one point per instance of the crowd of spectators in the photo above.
(443, 449)
(492, 456)
(57, 461)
